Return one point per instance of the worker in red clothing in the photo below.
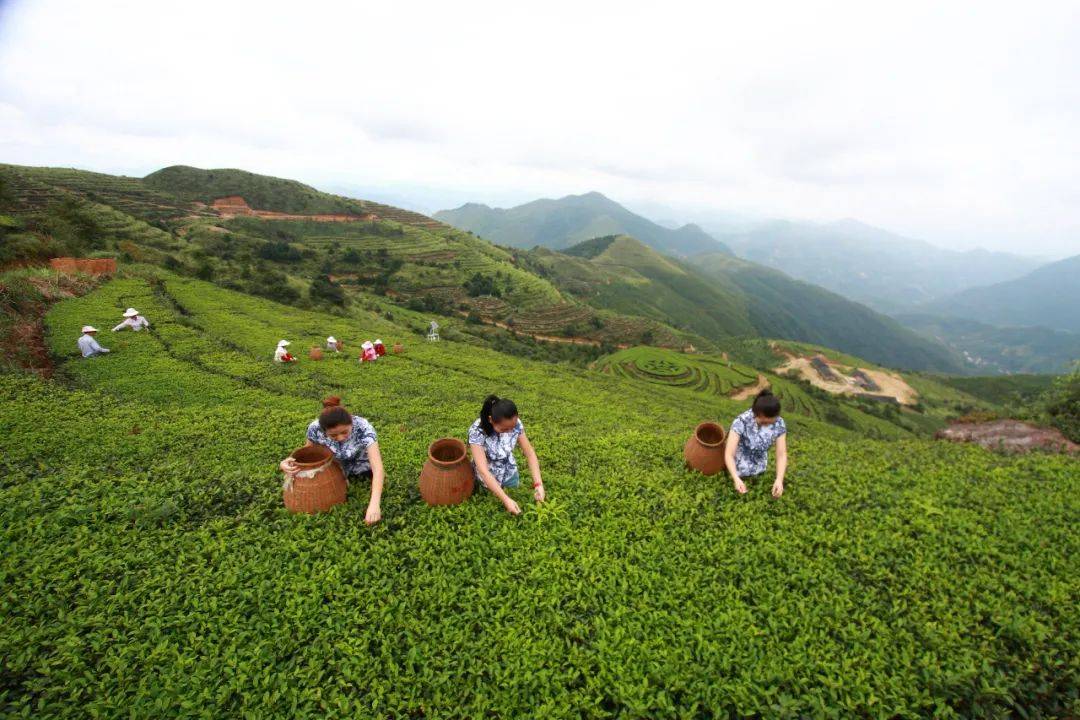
(282, 355)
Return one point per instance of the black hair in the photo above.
(495, 408)
(333, 414)
(766, 404)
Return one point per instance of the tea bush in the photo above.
(149, 569)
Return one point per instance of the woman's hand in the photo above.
(511, 506)
(288, 466)
(740, 486)
(374, 515)
(778, 488)
(539, 493)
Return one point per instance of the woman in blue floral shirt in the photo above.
(752, 434)
(354, 443)
(492, 439)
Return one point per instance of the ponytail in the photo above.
(333, 414)
(495, 408)
(766, 404)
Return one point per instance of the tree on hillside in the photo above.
(280, 252)
(481, 285)
(323, 289)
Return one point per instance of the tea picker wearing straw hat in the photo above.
(88, 344)
(133, 320)
(282, 355)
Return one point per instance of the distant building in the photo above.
(863, 380)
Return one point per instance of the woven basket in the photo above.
(447, 476)
(704, 450)
(318, 485)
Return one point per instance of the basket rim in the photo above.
(442, 442)
(327, 456)
(712, 425)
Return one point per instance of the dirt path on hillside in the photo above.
(745, 393)
(550, 338)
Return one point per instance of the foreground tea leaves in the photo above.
(149, 569)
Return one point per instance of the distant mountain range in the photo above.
(888, 272)
(1046, 297)
(936, 292)
(561, 223)
(717, 295)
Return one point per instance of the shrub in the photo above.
(323, 289)
(1062, 404)
(280, 252)
(480, 284)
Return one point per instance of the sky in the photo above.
(954, 122)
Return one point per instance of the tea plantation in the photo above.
(150, 570)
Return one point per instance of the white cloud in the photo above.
(956, 122)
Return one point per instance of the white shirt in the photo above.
(136, 323)
(280, 353)
(89, 346)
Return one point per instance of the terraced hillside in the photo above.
(710, 375)
(35, 188)
(716, 375)
(263, 192)
(150, 570)
(407, 257)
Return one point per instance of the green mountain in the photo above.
(718, 296)
(619, 273)
(782, 307)
(1046, 297)
(561, 223)
(888, 272)
(607, 292)
(262, 192)
(1000, 349)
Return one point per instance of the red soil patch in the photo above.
(1009, 436)
(22, 334)
(95, 266)
(27, 342)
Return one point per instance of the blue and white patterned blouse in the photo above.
(352, 453)
(752, 452)
(499, 449)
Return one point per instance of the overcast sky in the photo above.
(955, 122)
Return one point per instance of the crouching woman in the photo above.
(753, 432)
(492, 439)
(354, 443)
